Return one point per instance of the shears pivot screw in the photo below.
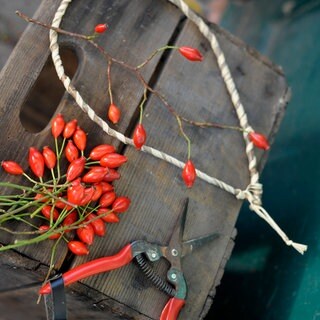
(153, 255)
(174, 252)
(173, 276)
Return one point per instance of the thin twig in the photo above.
(109, 81)
(134, 69)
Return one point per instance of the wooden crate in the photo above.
(155, 187)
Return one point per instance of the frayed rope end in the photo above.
(255, 205)
(301, 248)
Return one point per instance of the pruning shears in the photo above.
(176, 286)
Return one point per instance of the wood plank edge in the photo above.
(247, 48)
(281, 108)
(208, 303)
(87, 297)
(102, 302)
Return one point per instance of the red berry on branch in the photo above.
(100, 28)
(80, 139)
(70, 128)
(113, 160)
(40, 197)
(94, 175)
(106, 186)
(75, 168)
(45, 228)
(86, 234)
(87, 196)
(139, 136)
(75, 194)
(97, 224)
(47, 211)
(99, 151)
(71, 151)
(107, 215)
(57, 125)
(107, 199)
(189, 174)
(121, 204)
(111, 218)
(70, 219)
(76, 182)
(191, 54)
(12, 167)
(97, 191)
(114, 113)
(259, 140)
(62, 204)
(49, 156)
(36, 162)
(112, 175)
(78, 248)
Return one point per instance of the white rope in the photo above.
(253, 192)
(255, 205)
(230, 85)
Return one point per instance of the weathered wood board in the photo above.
(18, 271)
(155, 187)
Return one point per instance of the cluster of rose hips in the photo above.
(83, 199)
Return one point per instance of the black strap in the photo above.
(58, 299)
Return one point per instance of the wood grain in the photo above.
(155, 187)
(16, 302)
(90, 77)
(196, 91)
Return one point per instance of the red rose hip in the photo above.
(189, 174)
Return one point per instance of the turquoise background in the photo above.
(264, 278)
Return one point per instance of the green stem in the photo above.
(94, 163)
(34, 213)
(153, 54)
(185, 136)
(13, 196)
(142, 104)
(109, 81)
(53, 229)
(62, 147)
(16, 186)
(39, 184)
(11, 203)
(53, 179)
(58, 158)
(18, 218)
(21, 243)
(52, 257)
(22, 208)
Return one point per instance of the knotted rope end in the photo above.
(252, 194)
(301, 248)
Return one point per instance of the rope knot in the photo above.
(289, 242)
(252, 193)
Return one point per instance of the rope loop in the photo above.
(253, 192)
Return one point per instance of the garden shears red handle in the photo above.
(173, 252)
(122, 258)
(172, 309)
(93, 267)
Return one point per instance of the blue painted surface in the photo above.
(264, 279)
